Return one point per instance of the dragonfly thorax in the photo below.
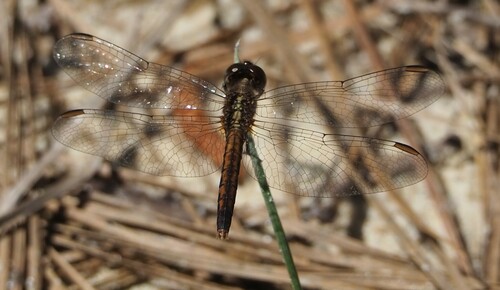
(243, 84)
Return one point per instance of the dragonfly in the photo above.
(180, 125)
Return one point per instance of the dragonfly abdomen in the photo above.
(229, 180)
(238, 118)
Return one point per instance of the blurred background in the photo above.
(72, 221)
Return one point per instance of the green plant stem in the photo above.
(273, 214)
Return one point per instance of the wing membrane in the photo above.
(121, 77)
(159, 145)
(311, 163)
(364, 101)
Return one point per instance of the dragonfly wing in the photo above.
(121, 77)
(159, 145)
(369, 100)
(310, 163)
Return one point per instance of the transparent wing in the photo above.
(311, 163)
(363, 101)
(121, 77)
(180, 145)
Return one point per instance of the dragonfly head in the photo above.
(245, 73)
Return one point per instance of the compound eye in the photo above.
(259, 78)
(245, 70)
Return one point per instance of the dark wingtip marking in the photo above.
(406, 148)
(71, 114)
(417, 68)
(83, 36)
